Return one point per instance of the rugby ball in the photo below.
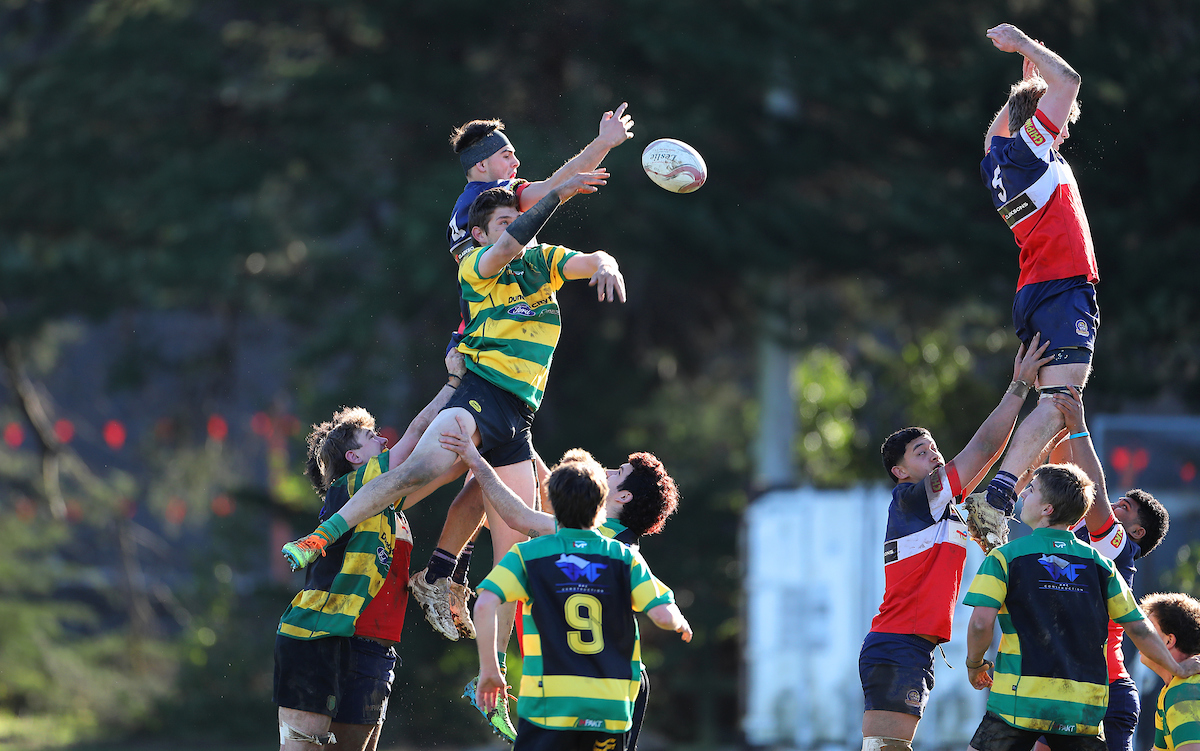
(674, 166)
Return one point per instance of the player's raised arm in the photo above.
(1062, 82)
(615, 129)
(517, 234)
(602, 271)
(989, 441)
(1081, 451)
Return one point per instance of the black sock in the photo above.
(1001, 492)
(441, 565)
(464, 563)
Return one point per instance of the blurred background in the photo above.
(221, 221)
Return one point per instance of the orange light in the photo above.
(114, 434)
(1120, 458)
(64, 430)
(14, 435)
(223, 505)
(1187, 472)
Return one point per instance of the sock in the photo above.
(464, 563)
(503, 658)
(441, 565)
(332, 528)
(1001, 492)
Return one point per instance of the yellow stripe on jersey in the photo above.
(296, 632)
(512, 587)
(572, 723)
(330, 604)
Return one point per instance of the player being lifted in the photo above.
(509, 343)
(489, 160)
(1035, 192)
(924, 552)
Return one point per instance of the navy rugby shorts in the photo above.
(896, 672)
(1063, 311)
(504, 422)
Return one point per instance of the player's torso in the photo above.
(383, 617)
(1113, 543)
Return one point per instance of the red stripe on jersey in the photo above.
(383, 617)
(921, 592)
(1047, 123)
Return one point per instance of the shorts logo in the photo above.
(605, 745)
(1034, 134)
(475, 406)
(1081, 327)
(913, 699)
(1119, 537)
(521, 309)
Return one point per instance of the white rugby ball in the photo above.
(674, 166)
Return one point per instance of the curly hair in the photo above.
(1153, 517)
(1177, 614)
(655, 495)
(328, 443)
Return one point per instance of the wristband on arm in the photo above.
(332, 528)
(531, 222)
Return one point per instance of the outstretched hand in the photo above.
(608, 281)
(1008, 38)
(1029, 360)
(615, 127)
(583, 182)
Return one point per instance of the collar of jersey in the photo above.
(578, 533)
(1065, 534)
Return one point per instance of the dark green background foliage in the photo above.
(282, 168)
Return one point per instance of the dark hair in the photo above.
(486, 204)
(1153, 517)
(577, 491)
(1068, 489)
(1177, 614)
(896, 444)
(1023, 100)
(328, 443)
(655, 495)
(472, 132)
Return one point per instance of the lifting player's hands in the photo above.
(615, 127)
(1008, 38)
(1189, 667)
(582, 182)
(1029, 360)
(459, 441)
(1071, 407)
(456, 364)
(1028, 69)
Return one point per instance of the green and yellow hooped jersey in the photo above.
(338, 586)
(1177, 720)
(514, 320)
(582, 653)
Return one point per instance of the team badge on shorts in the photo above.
(913, 699)
(475, 406)
(1081, 327)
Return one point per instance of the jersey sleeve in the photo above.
(1182, 715)
(1110, 540)
(989, 588)
(1122, 607)
(556, 257)
(374, 467)
(508, 580)
(937, 491)
(1038, 134)
(648, 591)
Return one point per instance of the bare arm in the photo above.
(605, 274)
(512, 243)
(991, 438)
(615, 129)
(508, 504)
(1062, 82)
(979, 641)
(668, 618)
(1150, 644)
(491, 682)
(1082, 451)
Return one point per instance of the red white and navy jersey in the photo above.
(1035, 191)
(1114, 543)
(458, 234)
(924, 551)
